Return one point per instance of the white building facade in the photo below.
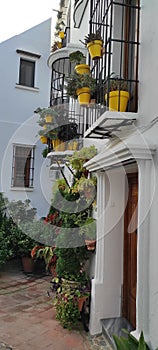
(124, 283)
(25, 86)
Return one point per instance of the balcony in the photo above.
(118, 24)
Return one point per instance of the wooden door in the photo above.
(130, 252)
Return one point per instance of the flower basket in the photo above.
(95, 49)
(83, 96)
(82, 69)
(118, 100)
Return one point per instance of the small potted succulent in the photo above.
(94, 44)
(116, 93)
(81, 86)
(79, 59)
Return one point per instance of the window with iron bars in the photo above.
(23, 166)
(118, 23)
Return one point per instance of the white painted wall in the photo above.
(17, 105)
(148, 63)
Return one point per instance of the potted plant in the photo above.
(45, 152)
(48, 255)
(79, 59)
(116, 93)
(69, 304)
(77, 160)
(81, 86)
(25, 245)
(128, 341)
(94, 44)
(88, 230)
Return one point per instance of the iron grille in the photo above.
(118, 23)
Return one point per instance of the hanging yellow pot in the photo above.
(43, 139)
(58, 145)
(61, 35)
(95, 49)
(48, 119)
(83, 96)
(82, 69)
(59, 44)
(72, 145)
(118, 100)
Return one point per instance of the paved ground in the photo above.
(27, 317)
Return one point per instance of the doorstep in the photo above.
(115, 325)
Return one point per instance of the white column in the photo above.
(95, 324)
(145, 194)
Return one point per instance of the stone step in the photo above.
(111, 326)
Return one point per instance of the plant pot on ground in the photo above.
(116, 93)
(47, 254)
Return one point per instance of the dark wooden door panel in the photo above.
(130, 251)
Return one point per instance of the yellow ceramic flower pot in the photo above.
(95, 49)
(48, 119)
(59, 44)
(83, 96)
(82, 69)
(72, 145)
(118, 100)
(43, 139)
(61, 35)
(58, 145)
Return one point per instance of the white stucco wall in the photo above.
(17, 106)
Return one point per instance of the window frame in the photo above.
(24, 66)
(26, 179)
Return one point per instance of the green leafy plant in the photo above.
(46, 253)
(91, 37)
(45, 152)
(77, 57)
(88, 229)
(130, 342)
(114, 82)
(77, 81)
(66, 303)
(78, 158)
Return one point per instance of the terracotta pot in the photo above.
(27, 264)
(90, 244)
(80, 302)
